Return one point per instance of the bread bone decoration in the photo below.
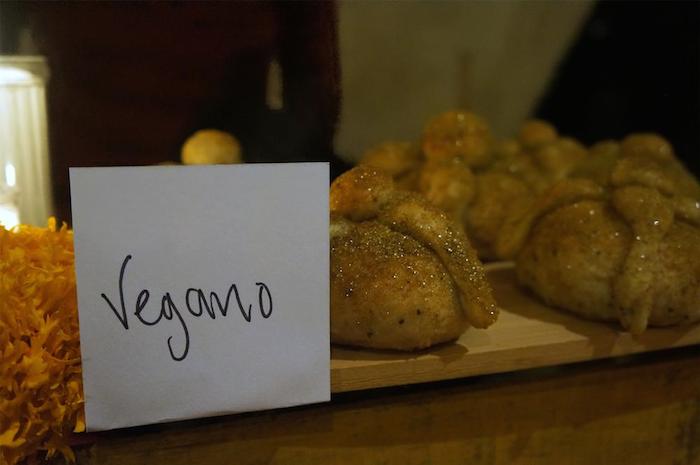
(620, 243)
(403, 275)
(477, 180)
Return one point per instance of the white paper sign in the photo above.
(202, 290)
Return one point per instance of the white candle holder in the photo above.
(9, 214)
(24, 152)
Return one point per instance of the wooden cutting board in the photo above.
(527, 334)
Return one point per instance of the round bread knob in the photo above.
(211, 147)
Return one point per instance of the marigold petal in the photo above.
(7, 437)
(40, 375)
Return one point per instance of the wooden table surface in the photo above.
(512, 394)
(642, 409)
(528, 334)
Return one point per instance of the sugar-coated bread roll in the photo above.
(625, 249)
(403, 274)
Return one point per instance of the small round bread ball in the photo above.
(211, 147)
(650, 145)
(394, 158)
(400, 160)
(457, 134)
(449, 186)
(534, 133)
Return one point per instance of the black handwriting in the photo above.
(196, 307)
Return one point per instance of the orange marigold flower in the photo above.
(41, 387)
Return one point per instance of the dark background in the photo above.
(131, 80)
(634, 68)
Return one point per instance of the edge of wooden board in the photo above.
(527, 335)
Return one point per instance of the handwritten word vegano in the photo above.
(197, 305)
